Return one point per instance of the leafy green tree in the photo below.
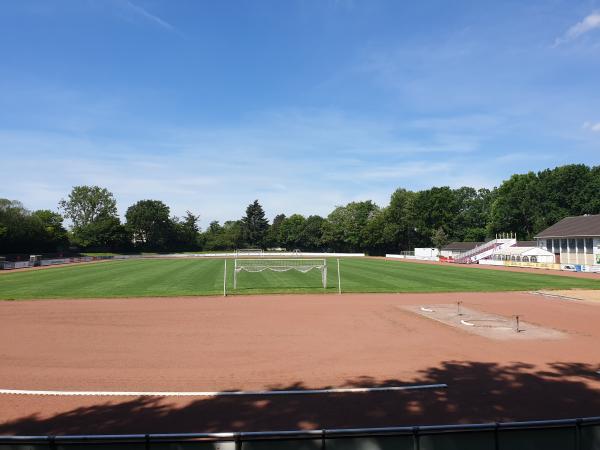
(226, 237)
(346, 226)
(87, 204)
(311, 236)
(149, 223)
(53, 234)
(379, 234)
(434, 208)
(255, 225)
(565, 191)
(233, 234)
(211, 236)
(590, 192)
(105, 233)
(400, 218)
(439, 238)
(274, 235)
(22, 231)
(291, 232)
(93, 212)
(186, 232)
(516, 207)
(17, 227)
(472, 216)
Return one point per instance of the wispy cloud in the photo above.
(591, 126)
(293, 161)
(153, 18)
(589, 23)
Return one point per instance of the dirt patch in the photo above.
(489, 325)
(574, 294)
(289, 342)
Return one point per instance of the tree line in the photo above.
(524, 204)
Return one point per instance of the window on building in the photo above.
(580, 245)
(556, 246)
(563, 245)
(534, 259)
(589, 246)
(572, 245)
(549, 245)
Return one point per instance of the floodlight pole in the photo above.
(225, 279)
(339, 277)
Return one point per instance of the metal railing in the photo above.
(564, 434)
(467, 256)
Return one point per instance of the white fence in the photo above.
(261, 255)
(413, 257)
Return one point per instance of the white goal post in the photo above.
(280, 265)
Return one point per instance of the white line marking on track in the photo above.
(426, 309)
(469, 324)
(220, 393)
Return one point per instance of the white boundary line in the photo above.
(426, 309)
(469, 324)
(219, 393)
(561, 297)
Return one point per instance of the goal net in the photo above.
(280, 265)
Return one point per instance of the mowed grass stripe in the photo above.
(448, 278)
(179, 277)
(413, 278)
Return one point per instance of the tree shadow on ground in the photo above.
(477, 392)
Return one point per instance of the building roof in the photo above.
(525, 244)
(461, 246)
(588, 225)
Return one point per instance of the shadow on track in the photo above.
(478, 392)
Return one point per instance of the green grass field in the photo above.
(170, 277)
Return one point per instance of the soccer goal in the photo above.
(280, 265)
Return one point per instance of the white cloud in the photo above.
(589, 23)
(292, 161)
(591, 126)
(149, 16)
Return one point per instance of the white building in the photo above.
(523, 254)
(457, 249)
(573, 240)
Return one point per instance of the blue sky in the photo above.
(303, 104)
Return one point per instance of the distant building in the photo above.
(522, 253)
(457, 249)
(573, 240)
(526, 244)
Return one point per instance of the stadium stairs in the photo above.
(484, 250)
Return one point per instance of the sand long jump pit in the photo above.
(486, 324)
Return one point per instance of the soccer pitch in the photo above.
(188, 277)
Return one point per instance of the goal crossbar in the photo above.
(303, 265)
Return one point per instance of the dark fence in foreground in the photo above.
(567, 434)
